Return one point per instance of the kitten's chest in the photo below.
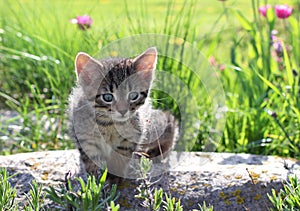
(121, 137)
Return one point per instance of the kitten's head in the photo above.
(117, 86)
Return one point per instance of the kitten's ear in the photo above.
(146, 63)
(87, 68)
(89, 72)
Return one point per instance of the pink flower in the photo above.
(213, 62)
(84, 22)
(278, 47)
(222, 67)
(263, 9)
(283, 11)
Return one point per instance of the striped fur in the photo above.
(111, 132)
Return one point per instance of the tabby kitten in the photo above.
(111, 115)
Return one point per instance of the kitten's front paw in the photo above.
(92, 169)
(114, 180)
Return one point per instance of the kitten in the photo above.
(111, 117)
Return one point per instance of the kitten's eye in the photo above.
(107, 98)
(133, 96)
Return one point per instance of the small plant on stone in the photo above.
(154, 199)
(144, 189)
(91, 195)
(204, 207)
(170, 203)
(7, 193)
(287, 198)
(35, 198)
(114, 207)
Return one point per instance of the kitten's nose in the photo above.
(123, 112)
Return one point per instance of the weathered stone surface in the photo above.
(226, 181)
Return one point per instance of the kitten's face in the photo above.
(121, 92)
(123, 85)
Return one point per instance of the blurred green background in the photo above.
(38, 45)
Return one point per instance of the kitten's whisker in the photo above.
(158, 141)
(159, 103)
(159, 146)
(100, 114)
(157, 99)
(82, 107)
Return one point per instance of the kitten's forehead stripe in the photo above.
(145, 93)
(111, 87)
(119, 72)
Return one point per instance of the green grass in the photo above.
(7, 193)
(94, 195)
(38, 46)
(91, 195)
(288, 197)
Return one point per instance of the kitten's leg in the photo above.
(114, 180)
(165, 143)
(86, 163)
(89, 165)
(92, 168)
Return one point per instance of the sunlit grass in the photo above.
(38, 45)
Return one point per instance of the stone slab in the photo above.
(225, 180)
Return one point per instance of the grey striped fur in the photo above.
(112, 132)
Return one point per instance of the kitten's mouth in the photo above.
(120, 117)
